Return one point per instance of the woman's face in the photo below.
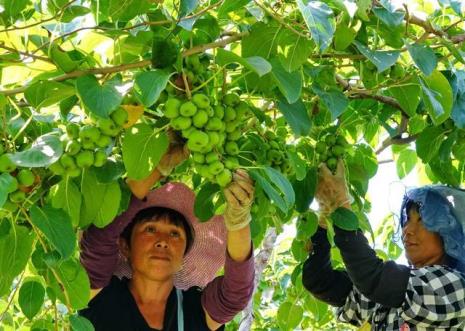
(157, 249)
(422, 247)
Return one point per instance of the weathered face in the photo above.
(422, 247)
(157, 249)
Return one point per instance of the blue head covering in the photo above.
(442, 210)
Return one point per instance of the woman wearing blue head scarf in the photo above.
(383, 295)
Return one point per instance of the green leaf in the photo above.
(289, 83)
(333, 99)
(282, 184)
(72, 12)
(363, 9)
(143, 148)
(381, 59)
(296, 115)
(408, 96)
(203, 207)
(270, 191)
(80, 323)
(44, 151)
(12, 8)
(344, 36)
(55, 224)
(437, 96)
(31, 298)
(306, 225)
(46, 93)
(289, 315)
(66, 196)
(320, 21)
(100, 100)
(424, 57)
(15, 250)
(305, 189)
(73, 277)
(111, 171)
(261, 41)
(101, 201)
(6, 180)
(293, 50)
(125, 10)
(253, 63)
(456, 5)
(392, 18)
(345, 219)
(406, 162)
(187, 6)
(149, 84)
(231, 5)
(297, 164)
(429, 142)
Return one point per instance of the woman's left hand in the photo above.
(239, 196)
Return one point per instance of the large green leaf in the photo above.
(187, 6)
(424, 57)
(320, 20)
(261, 41)
(456, 5)
(15, 250)
(305, 190)
(12, 8)
(101, 201)
(381, 59)
(66, 196)
(289, 83)
(269, 190)
(44, 151)
(408, 96)
(345, 219)
(149, 84)
(333, 99)
(73, 279)
(429, 142)
(406, 162)
(46, 93)
(283, 184)
(6, 180)
(231, 5)
(31, 298)
(143, 148)
(55, 224)
(344, 36)
(293, 50)
(203, 207)
(289, 315)
(437, 96)
(80, 323)
(254, 63)
(297, 117)
(125, 10)
(298, 164)
(388, 14)
(100, 100)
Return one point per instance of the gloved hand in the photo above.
(331, 191)
(239, 196)
(176, 153)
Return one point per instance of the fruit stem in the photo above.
(186, 85)
(206, 82)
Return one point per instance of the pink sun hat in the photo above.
(207, 254)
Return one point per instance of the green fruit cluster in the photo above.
(197, 68)
(275, 146)
(85, 145)
(330, 148)
(212, 132)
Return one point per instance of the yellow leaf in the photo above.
(134, 113)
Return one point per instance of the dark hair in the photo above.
(156, 213)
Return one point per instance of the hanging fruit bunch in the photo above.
(330, 148)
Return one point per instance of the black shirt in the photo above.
(114, 309)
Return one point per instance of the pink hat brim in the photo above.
(207, 254)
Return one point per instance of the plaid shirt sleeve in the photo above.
(357, 308)
(435, 297)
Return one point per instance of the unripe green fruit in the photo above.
(88, 145)
(89, 133)
(198, 157)
(200, 118)
(67, 161)
(322, 157)
(181, 123)
(320, 147)
(201, 100)
(229, 114)
(6, 165)
(197, 140)
(210, 111)
(26, 177)
(231, 148)
(281, 132)
(57, 168)
(2, 149)
(214, 137)
(231, 126)
(9, 206)
(13, 186)
(224, 178)
(73, 172)
(100, 158)
(119, 116)
(274, 145)
(17, 196)
(270, 135)
(215, 167)
(273, 155)
(219, 111)
(235, 135)
(337, 150)
(172, 106)
(72, 129)
(188, 109)
(85, 159)
(231, 163)
(341, 141)
(108, 127)
(190, 76)
(103, 141)
(73, 147)
(331, 163)
(204, 171)
(242, 109)
(231, 99)
(206, 149)
(187, 132)
(212, 157)
(214, 124)
(330, 140)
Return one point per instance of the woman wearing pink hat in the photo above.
(165, 260)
